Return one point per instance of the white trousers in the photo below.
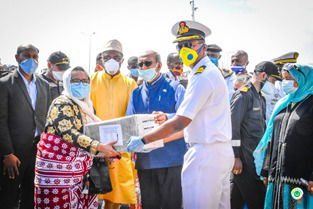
(206, 176)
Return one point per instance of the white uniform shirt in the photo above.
(230, 80)
(206, 103)
(272, 99)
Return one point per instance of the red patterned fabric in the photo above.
(59, 172)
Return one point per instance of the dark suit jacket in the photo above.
(18, 120)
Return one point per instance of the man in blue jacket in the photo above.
(159, 171)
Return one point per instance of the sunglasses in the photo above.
(85, 81)
(146, 63)
(181, 45)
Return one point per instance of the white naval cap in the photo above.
(190, 30)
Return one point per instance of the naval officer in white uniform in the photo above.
(204, 115)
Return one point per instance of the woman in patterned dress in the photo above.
(64, 153)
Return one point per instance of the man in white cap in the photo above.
(205, 116)
(110, 92)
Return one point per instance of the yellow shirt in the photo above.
(110, 99)
(110, 95)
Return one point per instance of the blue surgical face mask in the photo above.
(214, 60)
(80, 90)
(134, 72)
(148, 75)
(288, 86)
(29, 66)
(237, 69)
(268, 88)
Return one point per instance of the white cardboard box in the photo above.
(121, 129)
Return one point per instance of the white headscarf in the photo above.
(85, 104)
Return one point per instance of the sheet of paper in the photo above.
(109, 133)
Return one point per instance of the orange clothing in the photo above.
(110, 95)
(110, 99)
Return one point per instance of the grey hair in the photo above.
(244, 78)
(154, 53)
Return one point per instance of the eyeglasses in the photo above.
(146, 63)
(181, 45)
(84, 81)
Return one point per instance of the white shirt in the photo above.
(32, 91)
(206, 103)
(230, 80)
(272, 99)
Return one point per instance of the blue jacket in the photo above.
(166, 96)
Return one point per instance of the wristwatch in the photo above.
(143, 140)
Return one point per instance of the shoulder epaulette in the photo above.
(200, 69)
(244, 89)
(226, 72)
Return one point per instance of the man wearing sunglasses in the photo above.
(204, 115)
(160, 170)
(110, 92)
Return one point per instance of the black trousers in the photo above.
(246, 189)
(19, 192)
(161, 188)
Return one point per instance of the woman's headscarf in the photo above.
(303, 75)
(86, 104)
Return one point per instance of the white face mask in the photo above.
(111, 66)
(288, 86)
(268, 88)
(58, 75)
(148, 75)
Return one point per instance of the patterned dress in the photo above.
(63, 159)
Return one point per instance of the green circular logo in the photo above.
(296, 193)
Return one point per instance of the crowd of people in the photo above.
(234, 139)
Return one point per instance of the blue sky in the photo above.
(263, 28)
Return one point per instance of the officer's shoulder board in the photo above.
(244, 89)
(226, 72)
(200, 69)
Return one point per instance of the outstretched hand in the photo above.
(108, 150)
(136, 144)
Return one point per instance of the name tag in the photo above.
(256, 108)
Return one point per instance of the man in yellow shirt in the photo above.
(110, 92)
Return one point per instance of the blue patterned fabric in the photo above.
(306, 202)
